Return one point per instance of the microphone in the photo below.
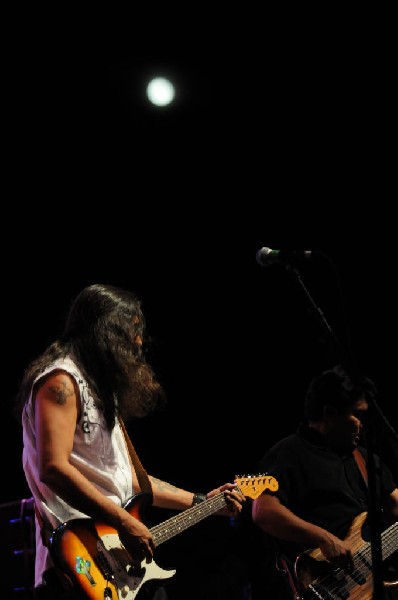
(266, 256)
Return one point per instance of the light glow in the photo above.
(160, 91)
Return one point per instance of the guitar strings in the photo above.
(190, 516)
(358, 575)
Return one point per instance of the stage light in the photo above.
(160, 91)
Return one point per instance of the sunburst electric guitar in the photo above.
(321, 581)
(91, 555)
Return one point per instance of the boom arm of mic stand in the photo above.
(334, 343)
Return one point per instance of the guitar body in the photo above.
(320, 580)
(91, 555)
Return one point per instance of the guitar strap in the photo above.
(361, 464)
(142, 475)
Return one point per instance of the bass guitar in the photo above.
(94, 560)
(320, 580)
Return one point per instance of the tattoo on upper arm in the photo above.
(62, 392)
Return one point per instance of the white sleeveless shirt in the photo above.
(100, 455)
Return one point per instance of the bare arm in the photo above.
(57, 406)
(166, 495)
(280, 522)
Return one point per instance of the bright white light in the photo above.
(160, 91)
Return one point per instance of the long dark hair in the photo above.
(100, 336)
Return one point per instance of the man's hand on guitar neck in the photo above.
(233, 497)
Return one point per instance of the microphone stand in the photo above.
(374, 513)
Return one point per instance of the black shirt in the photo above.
(320, 485)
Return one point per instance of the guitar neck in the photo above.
(178, 523)
(389, 540)
(389, 544)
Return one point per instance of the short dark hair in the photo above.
(336, 388)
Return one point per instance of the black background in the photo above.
(285, 143)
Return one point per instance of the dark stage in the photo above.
(175, 206)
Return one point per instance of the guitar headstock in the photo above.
(252, 486)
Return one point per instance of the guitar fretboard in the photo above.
(176, 524)
(389, 540)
